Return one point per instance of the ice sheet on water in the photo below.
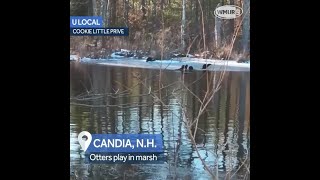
(85, 59)
(176, 63)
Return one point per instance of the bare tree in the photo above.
(94, 7)
(107, 18)
(161, 5)
(143, 9)
(230, 27)
(246, 26)
(126, 12)
(183, 26)
(113, 12)
(217, 30)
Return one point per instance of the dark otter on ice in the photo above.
(205, 66)
(182, 67)
(189, 70)
(185, 68)
(150, 59)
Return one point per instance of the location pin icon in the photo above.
(84, 143)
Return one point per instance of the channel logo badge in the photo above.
(228, 12)
(86, 22)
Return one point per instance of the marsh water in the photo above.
(125, 100)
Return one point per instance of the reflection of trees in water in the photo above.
(244, 154)
(232, 113)
(221, 120)
(125, 104)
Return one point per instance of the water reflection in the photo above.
(131, 100)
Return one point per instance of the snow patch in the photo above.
(73, 57)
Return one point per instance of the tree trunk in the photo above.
(103, 15)
(196, 22)
(114, 13)
(246, 27)
(94, 7)
(217, 30)
(230, 28)
(154, 11)
(183, 26)
(208, 11)
(90, 8)
(143, 9)
(103, 11)
(154, 15)
(126, 12)
(161, 5)
(107, 17)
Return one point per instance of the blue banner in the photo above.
(125, 143)
(99, 31)
(86, 22)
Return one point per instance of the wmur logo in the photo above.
(228, 12)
